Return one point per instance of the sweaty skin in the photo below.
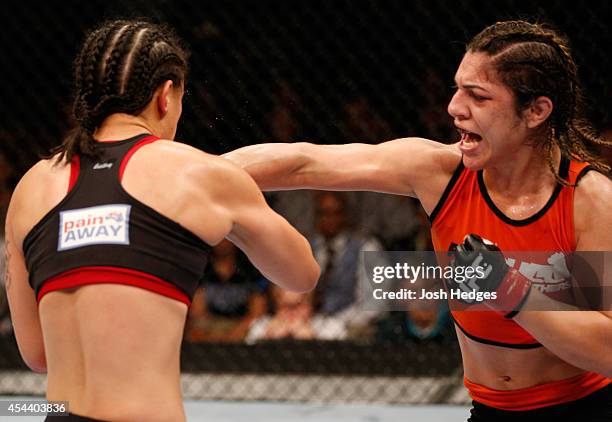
(112, 351)
(494, 138)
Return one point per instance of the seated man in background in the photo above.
(338, 250)
(424, 320)
(229, 299)
(292, 317)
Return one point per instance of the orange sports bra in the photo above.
(466, 207)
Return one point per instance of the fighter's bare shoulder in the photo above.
(421, 167)
(425, 152)
(592, 217)
(185, 156)
(44, 179)
(200, 168)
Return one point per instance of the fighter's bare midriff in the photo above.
(501, 368)
(108, 342)
(104, 343)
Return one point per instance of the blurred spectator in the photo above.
(285, 115)
(5, 325)
(295, 206)
(6, 189)
(415, 326)
(363, 123)
(393, 219)
(292, 317)
(423, 320)
(338, 250)
(421, 238)
(390, 218)
(434, 95)
(228, 302)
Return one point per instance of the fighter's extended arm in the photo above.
(402, 166)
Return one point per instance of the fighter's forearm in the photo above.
(273, 166)
(581, 338)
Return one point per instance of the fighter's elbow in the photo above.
(303, 153)
(307, 278)
(592, 360)
(312, 277)
(39, 369)
(37, 363)
(31, 348)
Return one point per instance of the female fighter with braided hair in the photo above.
(108, 238)
(520, 178)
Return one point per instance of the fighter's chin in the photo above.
(473, 163)
(475, 155)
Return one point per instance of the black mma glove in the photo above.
(504, 289)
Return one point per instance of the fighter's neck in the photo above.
(122, 126)
(524, 174)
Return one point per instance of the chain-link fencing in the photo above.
(271, 70)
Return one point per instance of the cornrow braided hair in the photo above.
(119, 68)
(534, 60)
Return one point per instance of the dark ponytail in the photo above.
(118, 69)
(534, 60)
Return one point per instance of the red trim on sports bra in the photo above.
(139, 144)
(75, 168)
(112, 275)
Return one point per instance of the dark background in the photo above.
(393, 59)
(327, 71)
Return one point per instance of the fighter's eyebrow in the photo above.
(471, 86)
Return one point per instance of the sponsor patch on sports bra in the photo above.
(103, 224)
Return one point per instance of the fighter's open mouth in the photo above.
(469, 136)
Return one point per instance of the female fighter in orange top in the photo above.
(518, 177)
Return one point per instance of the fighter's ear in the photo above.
(538, 111)
(163, 97)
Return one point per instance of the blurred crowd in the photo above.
(235, 303)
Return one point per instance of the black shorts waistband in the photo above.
(71, 418)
